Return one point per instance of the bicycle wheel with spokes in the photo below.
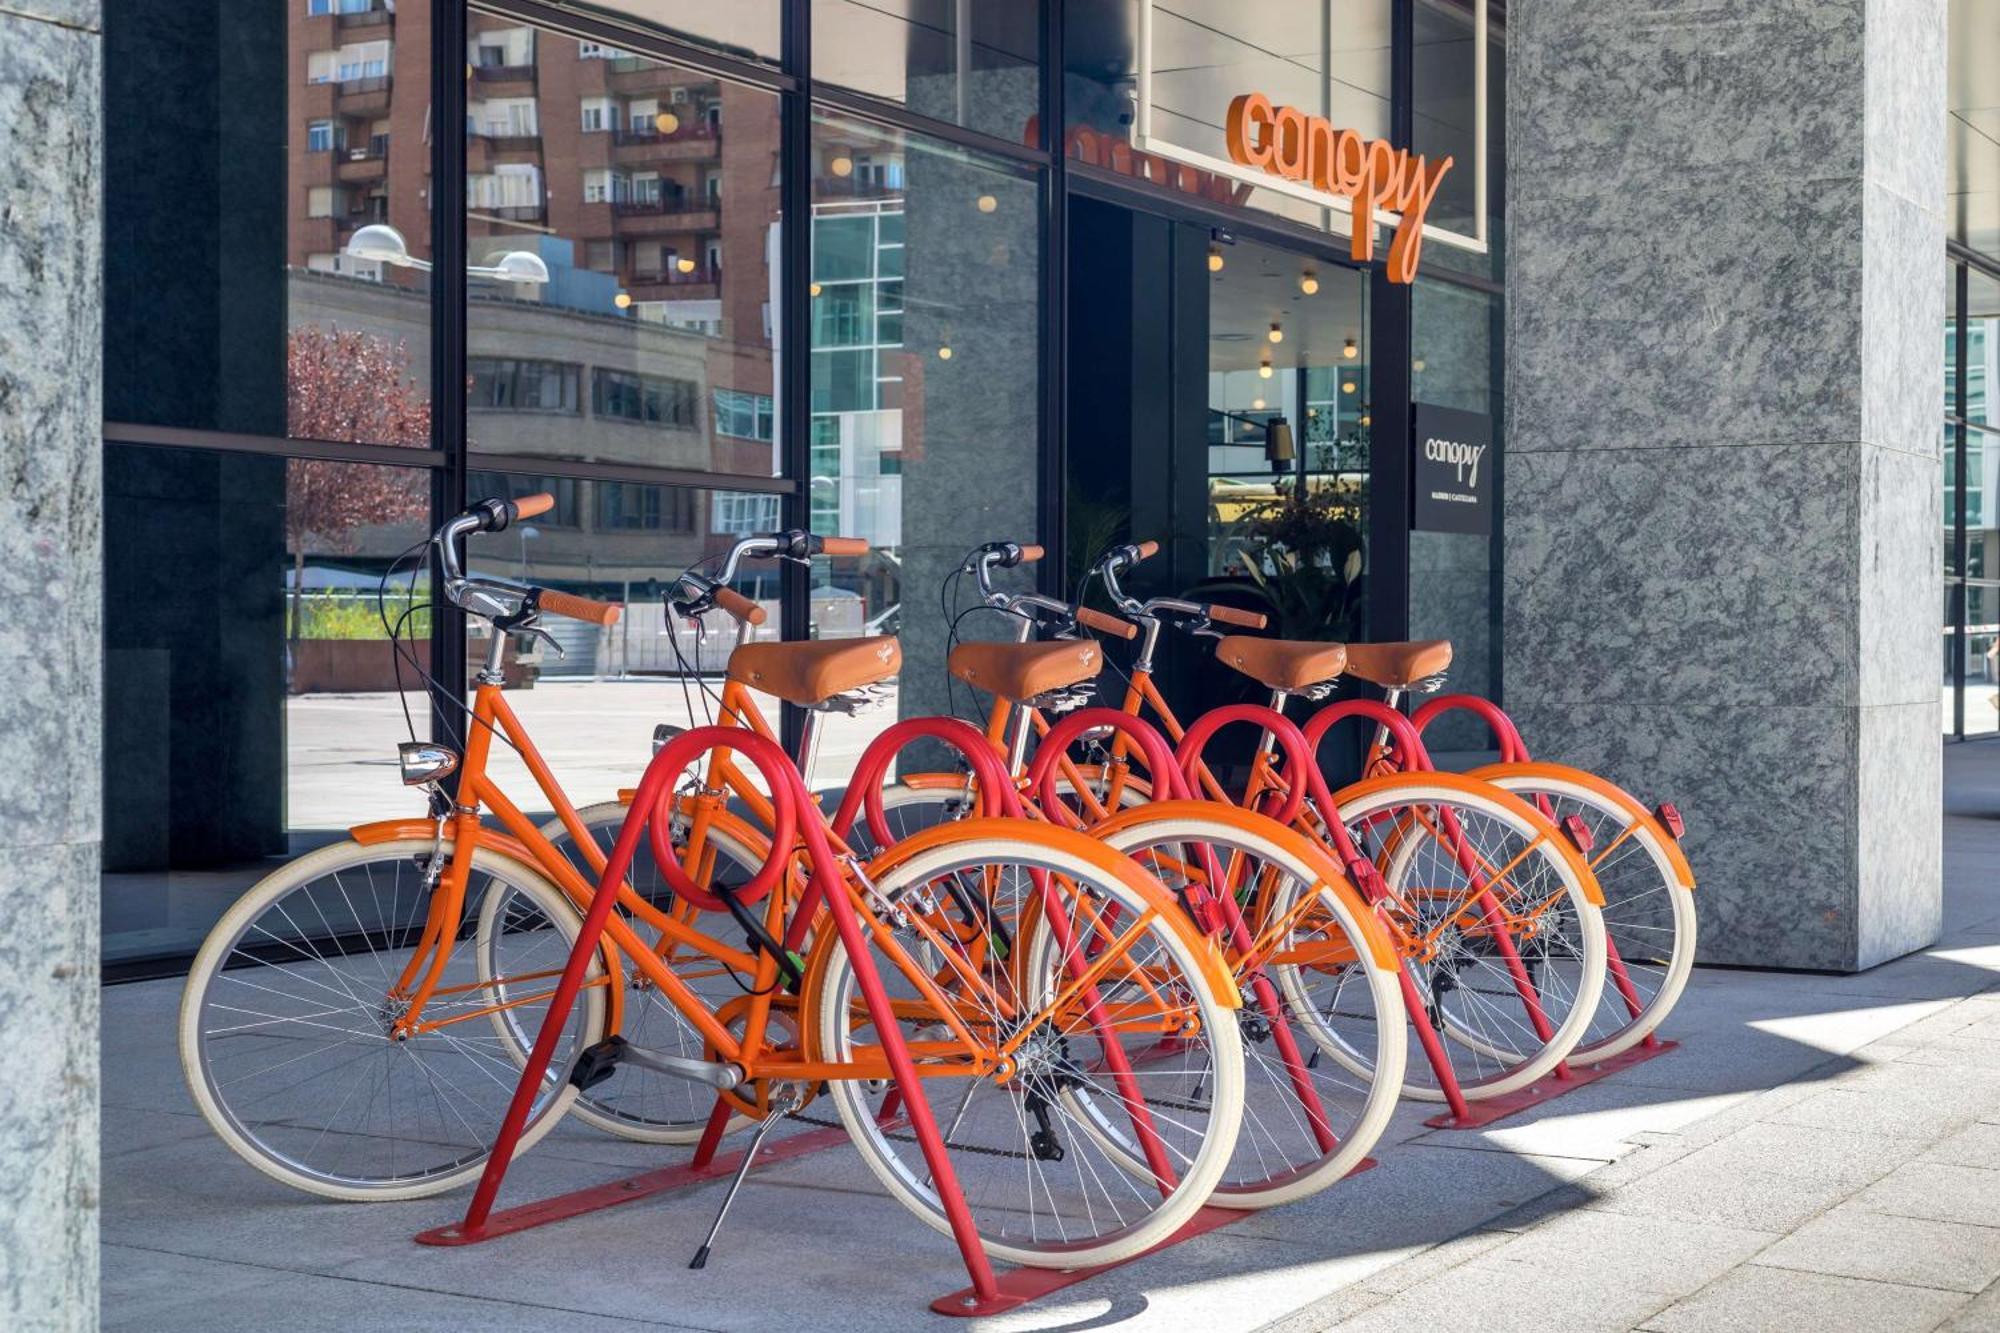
(1649, 916)
(1006, 1057)
(288, 1025)
(640, 1104)
(1503, 936)
(1308, 1120)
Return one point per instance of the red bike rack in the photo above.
(1566, 1078)
(988, 1292)
(1019, 1286)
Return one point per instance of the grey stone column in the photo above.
(1726, 265)
(50, 650)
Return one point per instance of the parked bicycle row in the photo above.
(1062, 991)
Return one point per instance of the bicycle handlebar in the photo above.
(694, 594)
(739, 606)
(577, 608)
(1106, 624)
(505, 601)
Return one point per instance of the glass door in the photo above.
(1287, 438)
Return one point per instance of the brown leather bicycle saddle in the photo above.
(814, 670)
(1397, 666)
(1283, 664)
(1017, 671)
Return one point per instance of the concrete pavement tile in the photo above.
(1764, 1177)
(1852, 1242)
(124, 1130)
(151, 1292)
(1899, 1100)
(1956, 1053)
(1975, 1145)
(1752, 1299)
(1936, 1191)
(1597, 1121)
(1982, 1315)
(1423, 1266)
(1651, 1254)
(1418, 1196)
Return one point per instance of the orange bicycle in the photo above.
(1511, 989)
(353, 1026)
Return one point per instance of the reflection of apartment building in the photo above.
(651, 194)
(858, 390)
(617, 172)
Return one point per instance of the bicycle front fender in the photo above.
(389, 830)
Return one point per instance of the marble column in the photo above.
(1725, 281)
(50, 652)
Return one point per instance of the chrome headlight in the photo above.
(422, 761)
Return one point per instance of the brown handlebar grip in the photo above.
(1030, 554)
(1229, 615)
(579, 608)
(1147, 550)
(528, 506)
(736, 604)
(843, 546)
(1105, 624)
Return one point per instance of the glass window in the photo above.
(749, 416)
(1454, 334)
(646, 399)
(984, 75)
(523, 386)
(250, 686)
(925, 428)
(749, 29)
(591, 710)
(281, 319)
(1445, 124)
(658, 226)
(1329, 59)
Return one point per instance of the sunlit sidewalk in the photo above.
(1821, 1152)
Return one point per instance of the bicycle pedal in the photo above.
(598, 1062)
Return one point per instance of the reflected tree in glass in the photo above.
(353, 387)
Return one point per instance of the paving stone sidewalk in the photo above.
(1860, 1195)
(1821, 1153)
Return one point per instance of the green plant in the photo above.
(354, 616)
(1302, 552)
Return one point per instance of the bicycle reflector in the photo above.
(1669, 816)
(1579, 833)
(422, 762)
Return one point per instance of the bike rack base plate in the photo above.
(562, 1207)
(1019, 1286)
(1547, 1089)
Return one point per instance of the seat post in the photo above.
(1267, 743)
(1392, 695)
(808, 744)
(1017, 746)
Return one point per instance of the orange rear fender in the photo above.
(1127, 829)
(1477, 787)
(1609, 790)
(1100, 857)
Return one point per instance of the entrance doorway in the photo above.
(1219, 404)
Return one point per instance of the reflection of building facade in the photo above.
(634, 183)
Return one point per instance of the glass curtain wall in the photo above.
(1970, 683)
(633, 191)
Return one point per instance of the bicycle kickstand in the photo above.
(781, 1106)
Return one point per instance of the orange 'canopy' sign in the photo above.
(1287, 142)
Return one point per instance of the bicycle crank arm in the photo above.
(599, 1062)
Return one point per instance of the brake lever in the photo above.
(537, 632)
